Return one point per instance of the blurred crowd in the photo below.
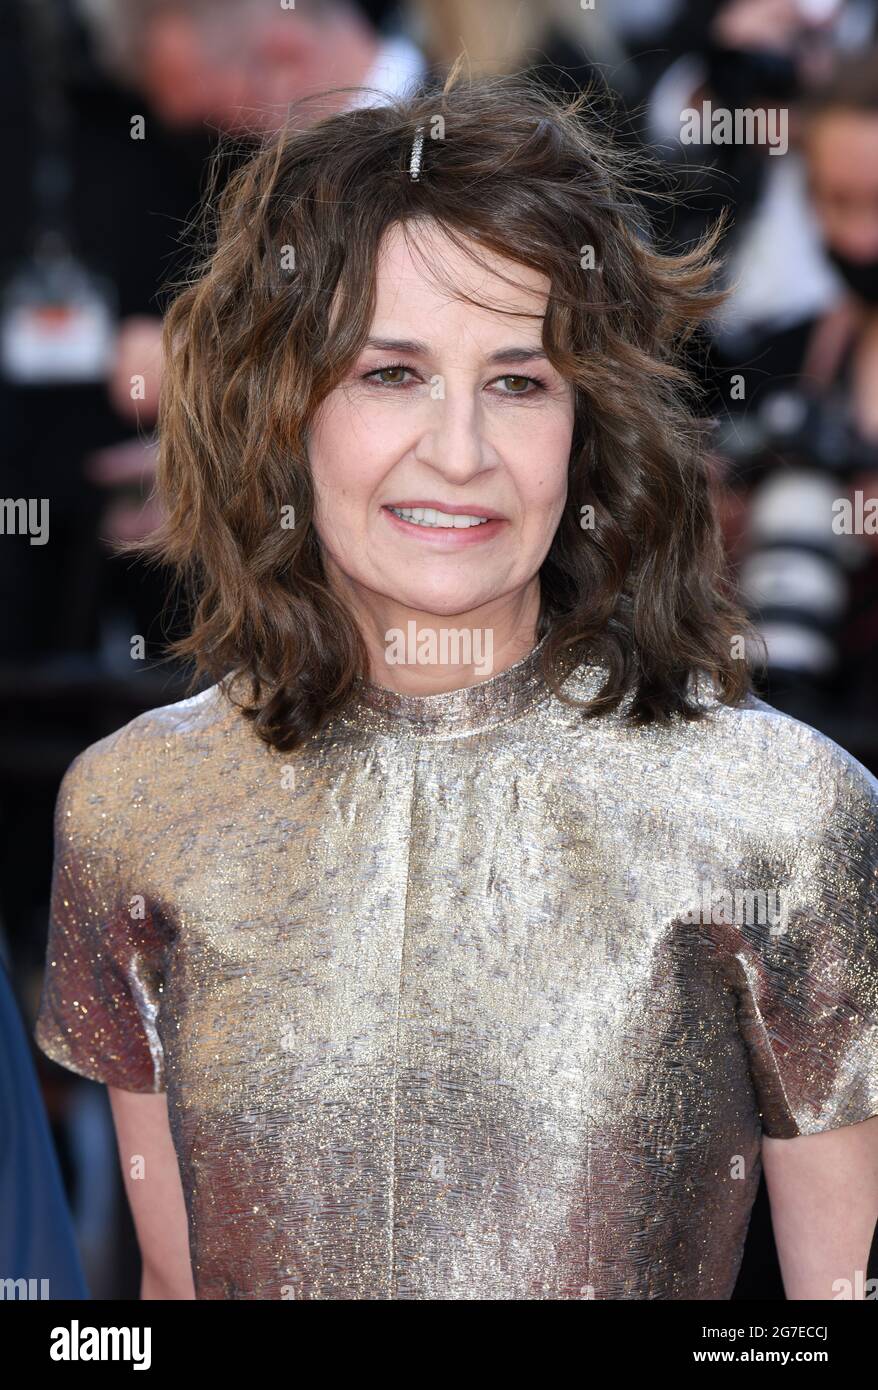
(764, 110)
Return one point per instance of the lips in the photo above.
(450, 537)
(474, 509)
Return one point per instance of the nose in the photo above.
(453, 440)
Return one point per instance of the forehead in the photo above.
(420, 269)
(843, 146)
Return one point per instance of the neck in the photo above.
(461, 712)
(414, 652)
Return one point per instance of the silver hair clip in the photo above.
(417, 151)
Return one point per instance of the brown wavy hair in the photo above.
(252, 347)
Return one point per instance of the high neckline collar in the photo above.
(452, 713)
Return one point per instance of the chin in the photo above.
(447, 606)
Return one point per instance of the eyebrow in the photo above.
(419, 349)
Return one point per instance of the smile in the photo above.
(430, 516)
(430, 526)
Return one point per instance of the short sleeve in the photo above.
(809, 1005)
(102, 984)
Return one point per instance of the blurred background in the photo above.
(112, 110)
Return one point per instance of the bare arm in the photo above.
(823, 1190)
(155, 1193)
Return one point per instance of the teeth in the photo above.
(429, 516)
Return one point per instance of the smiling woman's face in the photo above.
(449, 407)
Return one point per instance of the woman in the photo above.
(391, 944)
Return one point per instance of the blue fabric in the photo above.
(36, 1232)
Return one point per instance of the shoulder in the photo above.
(757, 727)
(763, 767)
(791, 766)
(141, 760)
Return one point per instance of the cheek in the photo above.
(343, 458)
(543, 467)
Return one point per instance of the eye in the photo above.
(383, 371)
(517, 385)
(522, 380)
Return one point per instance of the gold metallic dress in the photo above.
(469, 998)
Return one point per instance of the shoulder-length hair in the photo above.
(251, 349)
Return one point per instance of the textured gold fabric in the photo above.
(431, 998)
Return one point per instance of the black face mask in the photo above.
(860, 276)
